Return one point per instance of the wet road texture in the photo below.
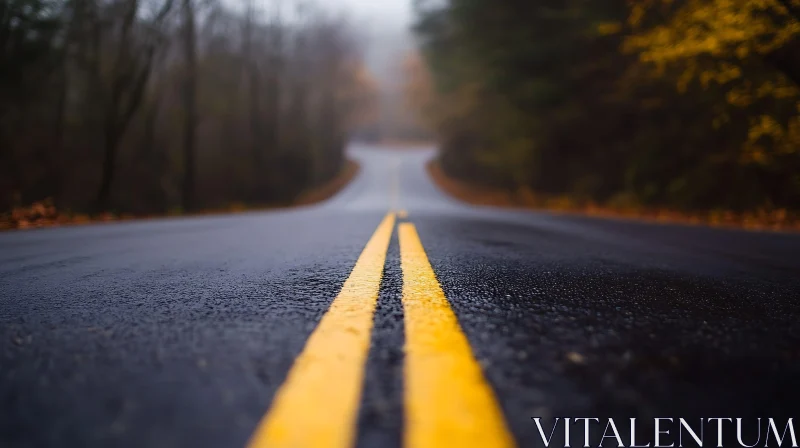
(183, 332)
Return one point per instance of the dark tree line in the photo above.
(689, 104)
(149, 106)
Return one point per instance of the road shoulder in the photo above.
(778, 220)
(44, 214)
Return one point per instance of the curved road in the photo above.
(186, 332)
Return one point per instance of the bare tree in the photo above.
(122, 89)
(179, 104)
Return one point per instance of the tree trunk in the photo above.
(57, 155)
(272, 112)
(256, 118)
(110, 143)
(190, 105)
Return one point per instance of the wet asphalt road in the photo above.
(178, 332)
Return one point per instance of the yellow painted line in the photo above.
(447, 399)
(402, 214)
(317, 405)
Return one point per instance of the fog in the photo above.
(384, 25)
(386, 28)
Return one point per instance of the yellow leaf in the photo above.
(609, 28)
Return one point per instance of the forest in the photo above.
(172, 106)
(684, 104)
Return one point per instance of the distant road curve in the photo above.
(388, 313)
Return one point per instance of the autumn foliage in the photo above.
(681, 104)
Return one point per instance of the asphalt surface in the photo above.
(178, 332)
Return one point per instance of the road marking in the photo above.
(447, 400)
(318, 403)
(402, 214)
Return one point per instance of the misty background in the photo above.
(386, 27)
(168, 106)
(161, 106)
(385, 32)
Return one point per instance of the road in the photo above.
(343, 324)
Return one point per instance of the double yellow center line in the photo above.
(447, 400)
